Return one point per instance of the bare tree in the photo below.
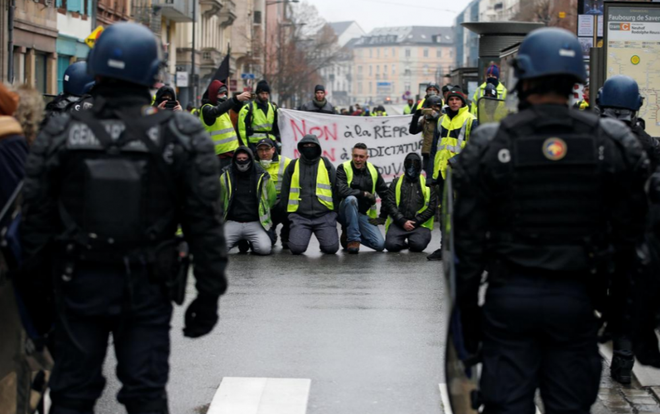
(547, 12)
(306, 44)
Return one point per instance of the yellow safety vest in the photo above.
(449, 146)
(265, 189)
(262, 124)
(407, 110)
(276, 171)
(348, 169)
(501, 94)
(222, 132)
(420, 104)
(427, 199)
(323, 188)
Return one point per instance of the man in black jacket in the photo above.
(247, 194)
(307, 193)
(319, 104)
(410, 206)
(358, 181)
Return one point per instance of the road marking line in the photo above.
(444, 396)
(261, 396)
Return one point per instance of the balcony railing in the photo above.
(176, 10)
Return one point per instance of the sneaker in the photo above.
(344, 238)
(353, 247)
(621, 369)
(243, 246)
(435, 256)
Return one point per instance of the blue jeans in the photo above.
(358, 226)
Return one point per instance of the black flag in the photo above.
(221, 74)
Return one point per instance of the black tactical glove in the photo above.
(370, 197)
(201, 316)
(378, 221)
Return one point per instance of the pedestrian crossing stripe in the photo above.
(261, 396)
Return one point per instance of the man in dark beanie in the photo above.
(258, 120)
(319, 103)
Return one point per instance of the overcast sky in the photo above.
(387, 13)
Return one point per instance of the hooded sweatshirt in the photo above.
(164, 90)
(412, 199)
(309, 206)
(244, 205)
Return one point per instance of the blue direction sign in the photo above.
(247, 75)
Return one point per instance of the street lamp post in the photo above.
(270, 3)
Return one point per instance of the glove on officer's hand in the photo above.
(201, 316)
(370, 197)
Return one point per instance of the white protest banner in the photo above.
(386, 137)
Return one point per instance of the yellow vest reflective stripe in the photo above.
(276, 171)
(449, 147)
(226, 190)
(222, 132)
(262, 124)
(420, 105)
(323, 188)
(427, 199)
(348, 169)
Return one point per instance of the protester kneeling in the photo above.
(411, 206)
(358, 181)
(247, 194)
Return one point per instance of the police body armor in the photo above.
(117, 195)
(550, 174)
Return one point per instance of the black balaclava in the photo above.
(412, 166)
(311, 153)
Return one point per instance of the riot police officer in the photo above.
(619, 98)
(76, 85)
(543, 199)
(105, 192)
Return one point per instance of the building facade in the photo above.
(74, 24)
(396, 61)
(338, 77)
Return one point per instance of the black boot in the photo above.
(243, 246)
(436, 255)
(621, 369)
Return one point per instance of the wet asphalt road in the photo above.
(366, 329)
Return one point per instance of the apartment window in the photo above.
(385, 70)
(371, 70)
(377, 69)
(359, 87)
(371, 53)
(426, 52)
(378, 53)
(385, 50)
(407, 53)
(426, 70)
(451, 53)
(393, 52)
(393, 70)
(40, 72)
(370, 87)
(359, 70)
(406, 71)
(406, 87)
(438, 53)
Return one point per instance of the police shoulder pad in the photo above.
(187, 123)
(57, 124)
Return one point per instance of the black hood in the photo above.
(413, 156)
(307, 139)
(164, 90)
(245, 150)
